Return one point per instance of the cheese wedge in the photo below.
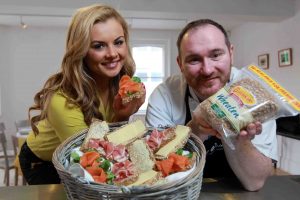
(182, 135)
(148, 177)
(128, 133)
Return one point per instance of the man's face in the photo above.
(205, 60)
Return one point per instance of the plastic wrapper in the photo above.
(252, 96)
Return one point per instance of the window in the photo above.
(150, 60)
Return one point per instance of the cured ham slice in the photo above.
(157, 139)
(117, 153)
(125, 172)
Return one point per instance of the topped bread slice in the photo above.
(141, 155)
(127, 133)
(97, 130)
(181, 137)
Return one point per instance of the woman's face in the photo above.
(108, 49)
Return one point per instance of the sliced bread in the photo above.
(141, 156)
(97, 130)
(182, 135)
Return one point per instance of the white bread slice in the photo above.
(127, 133)
(141, 156)
(182, 135)
(147, 178)
(97, 130)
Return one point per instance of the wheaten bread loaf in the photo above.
(127, 133)
(141, 156)
(182, 135)
(97, 130)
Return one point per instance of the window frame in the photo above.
(161, 43)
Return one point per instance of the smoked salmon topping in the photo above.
(174, 163)
(129, 86)
(88, 158)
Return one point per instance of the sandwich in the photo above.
(125, 173)
(130, 88)
(182, 133)
(141, 156)
(158, 139)
(96, 131)
(127, 133)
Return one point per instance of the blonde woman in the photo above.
(97, 55)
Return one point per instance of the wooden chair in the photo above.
(7, 162)
(15, 142)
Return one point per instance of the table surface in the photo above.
(276, 188)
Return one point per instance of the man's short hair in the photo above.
(200, 23)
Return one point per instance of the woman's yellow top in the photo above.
(63, 121)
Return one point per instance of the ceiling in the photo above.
(151, 14)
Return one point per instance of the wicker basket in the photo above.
(78, 188)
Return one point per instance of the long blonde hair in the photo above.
(74, 80)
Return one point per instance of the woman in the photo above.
(97, 55)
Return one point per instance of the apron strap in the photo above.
(188, 116)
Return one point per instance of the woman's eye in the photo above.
(98, 46)
(119, 42)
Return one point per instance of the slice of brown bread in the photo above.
(169, 134)
(182, 135)
(141, 155)
(97, 130)
(127, 181)
(135, 95)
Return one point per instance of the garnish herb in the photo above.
(136, 79)
(105, 165)
(110, 177)
(75, 157)
(190, 155)
(179, 151)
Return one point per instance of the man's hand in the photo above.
(250, 131)
(202, 128)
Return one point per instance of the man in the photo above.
(205, 58)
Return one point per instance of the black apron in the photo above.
(216, 163)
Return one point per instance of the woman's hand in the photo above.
(124, 111)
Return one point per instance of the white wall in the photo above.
(27, 58)
(253, 39)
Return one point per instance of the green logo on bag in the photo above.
(219, 113)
